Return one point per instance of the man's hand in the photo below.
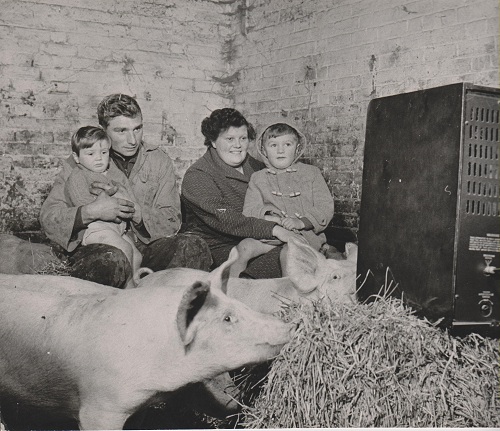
(97, 188)
(137, 216)
(123, 194)
(108, 208)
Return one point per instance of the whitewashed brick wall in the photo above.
(315, 62)
(59, 58)
(320, 62)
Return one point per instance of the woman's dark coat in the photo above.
(213, 194)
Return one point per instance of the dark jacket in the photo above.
(213, 194)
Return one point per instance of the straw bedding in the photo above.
(377, 365)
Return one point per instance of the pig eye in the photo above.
(228, 318)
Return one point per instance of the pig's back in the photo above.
(263, 295)
(53, 284)
(30, 359)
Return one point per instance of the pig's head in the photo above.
(223, 333)
(311, 272)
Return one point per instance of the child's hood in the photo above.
(301, 145)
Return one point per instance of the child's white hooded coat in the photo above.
(299, 191)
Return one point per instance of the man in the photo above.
(154, 221)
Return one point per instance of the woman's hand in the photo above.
(292, 223)
(284, 234)
(274, 218)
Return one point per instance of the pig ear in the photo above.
(351, 252)
(302, 266)
(191, 303)
(220, 275)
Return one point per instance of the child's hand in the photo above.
(292, 223)
(97, 187)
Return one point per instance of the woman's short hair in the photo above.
(115, 105)
(87, 136)
(222, 119)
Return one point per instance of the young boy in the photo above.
(293, 194)
(90, 149)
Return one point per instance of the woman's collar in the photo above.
(229, 171)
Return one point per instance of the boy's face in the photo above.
(94, 158)
(280, 151)
(125, 134)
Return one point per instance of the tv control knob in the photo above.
(486, 307)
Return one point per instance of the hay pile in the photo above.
(377, 365)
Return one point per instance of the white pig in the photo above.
(98, 354)
(310, 276)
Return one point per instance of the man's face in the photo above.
(125, 134)
(232, 145)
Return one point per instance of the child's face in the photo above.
(94, 158)
(280, 151)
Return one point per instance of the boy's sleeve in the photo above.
(254, 205)
(320, 211)
(57, 216)
(77, 189)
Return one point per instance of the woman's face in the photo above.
(232, 145)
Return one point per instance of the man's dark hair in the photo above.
(115, 105)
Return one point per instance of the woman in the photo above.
(213, 193)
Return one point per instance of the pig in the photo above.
(310, 276)
(98, 354)
(18, 256)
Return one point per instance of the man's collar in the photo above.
(148, 147)
(144, 144)
(117, 156)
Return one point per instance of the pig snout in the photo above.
(274, 332)
(225, 332)
(253, 338)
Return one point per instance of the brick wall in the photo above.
(319, 62)
(58, 58)
(314, 62)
